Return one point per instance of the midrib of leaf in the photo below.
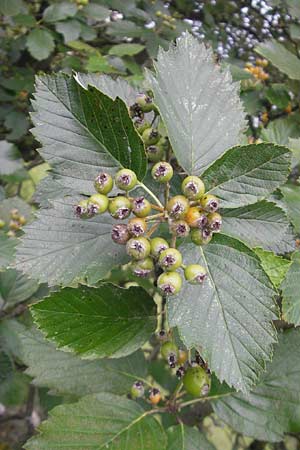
(222, 309)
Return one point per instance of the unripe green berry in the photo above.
(137, 226)
(164, 143)
(197, 381)
(119, 207)
(196, 218)
(145, 102)
(103, 183)
(141, 125)
(82, 209)
(209, 202)
(169, 283)
(201, 237)
(170, 259)
(2, 223)
(180, 228)
(214, 221)
(14, 214)
(141, 207)
(143, 268)
(195, 273)
(22, 220)
(169, 348)
(138, 248)
(154, 153)
(150, 136)
(98, 204)
(178, 207)
(193, 187)
(137, 390)
(162, 172)
(125, 179)
(120, 234)
(157, 246)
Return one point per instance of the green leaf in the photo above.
(281, 130)
(83, 132)
(294, 145)
(244, 175)
(14, 202)
(40, 43)
(59, 11)
(228, 316)
(66, 374)
(272, 407)
(280, 57)
(186, 438)
(59, 248)
(70, 29)
(263, 224)
(278, 95)
(294, 8)
(101, 421)
(10, 7)
(126, 49)
(15, 288)
(275, 266)
(291, 293)
(18, 123)
(95, 323)
(291, 194)
(198, 102)
(7, 253)
(96, 12)
(10, 160)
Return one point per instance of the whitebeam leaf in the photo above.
(59, 248)
(187, 438)
(198, 102)
(246, 174)
(272, 407)
(100, 421)
(107, 321)
(67, 374)
(263, 224)
(291, 292)
(229, 316)
(83, 131)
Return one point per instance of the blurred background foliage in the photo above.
(260, 40)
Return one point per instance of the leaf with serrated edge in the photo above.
(8, 246)
(229, 316)
(291, 292)
(83, 132)
(107, 321)
(100, 421)
(263, 224)
(246, 174)
(272, 407)
(198, 103)
(67, 374)
(59, 248)
(187, 438)
(15, 288)
(275, 266)
(291, 195)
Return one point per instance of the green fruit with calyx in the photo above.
(201, 237)
(98, 204)
(141, 125)
(103, 183)
(137, 226)
(178, 207)
(137, 389)
(195, 273)
(214, 221)
(119, 207)
(125, 179)
(82, 209)
(197, 381)
(170, 259)
(2, 223)
(193, 187)
(138, 248)
(209, 203)
(141, 207)
(162, 172)
(143, 268)
(179, 228)
(157, 246)
(154, 153)
(169, 283)
(145, 102)
(150, 136)
(169, 348)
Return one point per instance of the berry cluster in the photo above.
(258, 70)
(15, 224)
(191, 214)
